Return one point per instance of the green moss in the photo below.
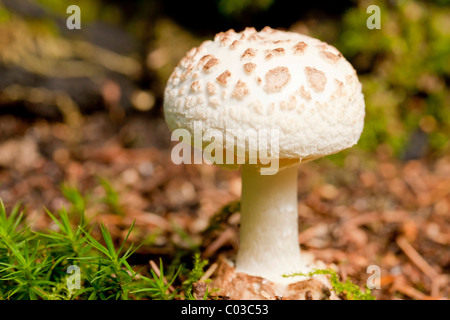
(403, 68)
(350, 290)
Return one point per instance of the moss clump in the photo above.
(347, 289)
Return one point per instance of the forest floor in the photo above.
(355, 212)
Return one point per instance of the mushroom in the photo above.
(297, 86)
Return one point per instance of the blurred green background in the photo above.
(125, 51)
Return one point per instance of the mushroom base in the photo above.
(235, 285)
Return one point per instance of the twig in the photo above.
(148, 218)
(400, 286)
(221, 240)
(308, 234)
(158, 273)
(437, 283)
(410, 292)
(209, 272)
(416, 258)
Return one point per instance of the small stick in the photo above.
(221, 240)
(209, 272)
(416, 258)
(437, 283)
(410, 292)
(158, 273)
(308, 234)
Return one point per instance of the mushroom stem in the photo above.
(269, 244)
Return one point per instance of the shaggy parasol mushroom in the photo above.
(275, 80)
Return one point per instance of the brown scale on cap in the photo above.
(182, 90)
(218, 36)
(329, 56)
(322, 46)
(275, 52)
(257, 106)
(211, 63)
(230, 32)
(300, 48)
(289, 104)
(224, 41)
(279, 41)
(223, 77)
(175, 75)
(305, 94)
(183, 62)
(214, 101)
(276, 42)
(349, 79)
(191, 101)
(201, 100)
(205, 58)
(255, 36)
(225, 37)
(250, 52)
(268, 29)
(234, 44)
(249, 67)
(186, 72)
(195, 86)
(241, 90)
(224, 94)
(191, 52)
(211, 88)
(276, 79)
(249, 30)
(339, 92)
(203, 45)
(316, 79)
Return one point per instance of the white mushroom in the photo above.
(275, 80)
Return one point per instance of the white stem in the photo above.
(269, 244)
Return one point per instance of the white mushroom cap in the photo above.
(269, 80)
